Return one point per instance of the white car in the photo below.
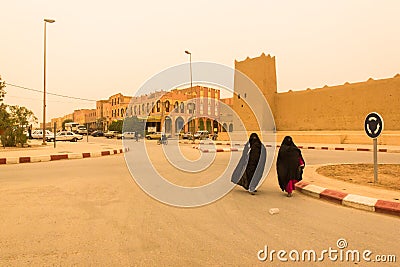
(68, 136)
(128, 135)
(201, 134)
(81, 130)
(38, 134)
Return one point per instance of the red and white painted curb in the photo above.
(349, 200)
(214, 150)
(338, 148)
(44, 158)
(348, 149)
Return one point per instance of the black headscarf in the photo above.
(288, 163)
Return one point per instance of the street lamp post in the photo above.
(191, 90)
(190, 63)
(44, 81)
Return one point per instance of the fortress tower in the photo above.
(247, 99)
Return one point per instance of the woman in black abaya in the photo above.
(289, 165)
(250, 168)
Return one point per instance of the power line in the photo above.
(39, 91)
(39, 99)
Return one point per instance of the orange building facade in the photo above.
(179, 110)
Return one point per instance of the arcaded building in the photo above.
(178, 110)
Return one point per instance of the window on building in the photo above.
(182, 107)
(167, 106)
(158, 106)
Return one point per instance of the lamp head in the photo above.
(49, 20)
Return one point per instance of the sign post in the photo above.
(373, 126)
(55, 131)
(87, 132)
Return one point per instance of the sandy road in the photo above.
(91, 212)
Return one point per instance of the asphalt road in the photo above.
(91, 212)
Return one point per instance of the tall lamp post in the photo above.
(190, 63)
(44, 81)
(191, 90)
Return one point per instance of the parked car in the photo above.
(38, 134)
(187, 135)
(97, 133)
(129, 135)
(154, 135)
(81, 130)
(111, 134)
(201, 134)
(68, 136)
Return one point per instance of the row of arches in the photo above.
(195, 124)
(159, 106)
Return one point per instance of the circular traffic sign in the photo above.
(373, 125)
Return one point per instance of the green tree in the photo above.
(13, 122)
(116, 126)
(2, 91)
(133, 124)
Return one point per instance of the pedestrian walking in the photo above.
(289, 165)
(30, 132)
(137, 136)
(250, 168)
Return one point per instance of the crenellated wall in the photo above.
(342, 107)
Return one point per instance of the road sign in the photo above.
(373, 124)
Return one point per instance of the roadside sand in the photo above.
(388, 174)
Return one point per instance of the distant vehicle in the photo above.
(111, 134)
(97, 133)
(71, 126)
(81, 129)
(129, 135)
(214, 136)
(68, 136)
(163, 140)
(201, 134)
(38, 134)
(187, 135)
(154, 135)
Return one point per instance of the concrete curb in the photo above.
(45, 158)
(207, 150)
(348, 149)
(349, 200)
(322, 147)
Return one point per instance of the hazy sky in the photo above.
(98, 48)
